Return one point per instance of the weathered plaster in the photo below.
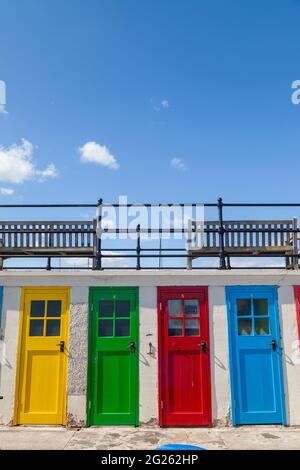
(77, 357)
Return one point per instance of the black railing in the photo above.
(85, 239)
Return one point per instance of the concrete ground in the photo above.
(148, 437)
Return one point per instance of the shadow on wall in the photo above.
(217, 304)
(285, 306)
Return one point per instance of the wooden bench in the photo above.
(244, 238)
(47, 238)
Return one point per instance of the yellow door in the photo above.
(43, 356)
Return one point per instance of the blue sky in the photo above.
(204, 82)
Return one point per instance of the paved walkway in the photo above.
(148, 437)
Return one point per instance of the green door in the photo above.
(113, 356)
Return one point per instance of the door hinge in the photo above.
(162, 404)
(234, 403)
(92, 307)
(160, 306)
(90, 404)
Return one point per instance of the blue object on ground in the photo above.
(179, 447)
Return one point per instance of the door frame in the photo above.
(231, 346)
(43, 289)
(188, 289)
(133, 289)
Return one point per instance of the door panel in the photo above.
(113, 356)
(257, 379)
(184, 358)
(185, 382)
(42, 361)
(42, 364)
(119, 363)
(255, 356)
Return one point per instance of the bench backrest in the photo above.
(243, 234)
(47, 234)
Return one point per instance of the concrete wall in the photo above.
(147, 282)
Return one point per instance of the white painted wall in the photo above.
(148, 366)
(10, 324)
(220, 378)
(290, 353)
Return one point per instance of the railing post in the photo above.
(1, 258)
(189, 260)
(48, 267)
(138, 247)
(98, 235)
(295, 244)
(222, 254)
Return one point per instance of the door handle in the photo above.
(132, 346)
(61, 345)
(203, 346)
(273, 344)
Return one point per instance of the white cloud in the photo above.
(78, 262)
(159, 105)
(178, 164)
(88, 216)
(49, 172)
(118, 262)
(246, 262)
(106, 262)
(91, 152)
(17, 166)
(7, 191)
(256, 262)
(2, 97)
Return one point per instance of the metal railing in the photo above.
(84, 239)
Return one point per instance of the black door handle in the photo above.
(273, 344)
(203, 346)
(61, 345)
(132, 346)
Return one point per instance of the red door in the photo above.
(184, 359)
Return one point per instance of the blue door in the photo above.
(257, 391)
